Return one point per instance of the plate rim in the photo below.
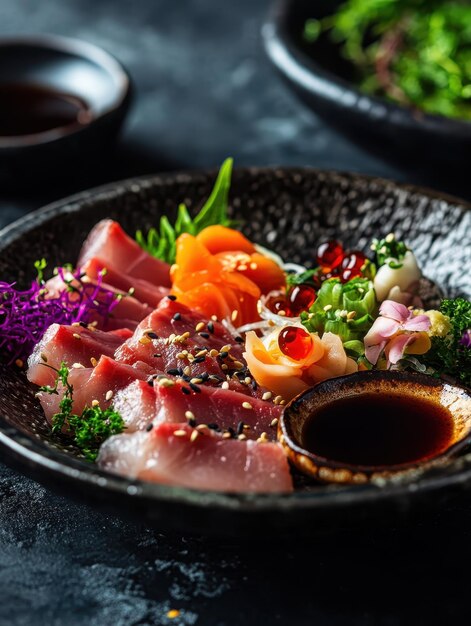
(24, 447)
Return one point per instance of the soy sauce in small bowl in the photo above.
(62, 103)
(29, 109)
(376, 429)
(375, 424)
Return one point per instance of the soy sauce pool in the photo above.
(32, 109)
(375, 430)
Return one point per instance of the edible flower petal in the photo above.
(397, 330)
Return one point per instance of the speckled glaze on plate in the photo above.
(289, 210)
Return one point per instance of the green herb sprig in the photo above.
(89, 429)
(161, 242)
(389, 250)
(449, 355)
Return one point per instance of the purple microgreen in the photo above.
(25, 315)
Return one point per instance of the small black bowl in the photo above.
(324, 80)
(75, 68)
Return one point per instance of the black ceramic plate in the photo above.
(324, 80)
(290, 211)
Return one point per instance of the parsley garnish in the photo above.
(161, 242)
(89, 429)
(449, 355)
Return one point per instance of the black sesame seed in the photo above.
(219, 379)
(83, 325)
(211, 327)
(240, 428)
(152, 335)
(172, 297)
(204, 335)
(195, 388)
(177, 316)
(157, 356)
(187, 378)
(232, 431)
(149, 427)
(173, 371)
(204, 376)
(223, 355)
(150, 382)
(239, 374)
(213, 426)
(191, 422)
(239, 340)
(186, 390)
(200, 359)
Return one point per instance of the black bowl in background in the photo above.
(68, 66)
(324, 80)
(290, 211)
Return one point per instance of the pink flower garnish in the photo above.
(396, 329)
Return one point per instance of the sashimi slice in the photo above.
(139, 404)
(260, 269)
(201, 281)
(171, 454)
(219, 238)
(98, 383)
(127, 311)
(70, 344)
(150, 342)
(155, 350)
(142, 290)
(108, 241)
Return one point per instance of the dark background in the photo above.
(204, 91)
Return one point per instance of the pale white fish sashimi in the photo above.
(140, 403)
(171, 454)
(143, 290)
(108, 241)
(98, 383)
(70, 344)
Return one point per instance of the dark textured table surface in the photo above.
(204, 90)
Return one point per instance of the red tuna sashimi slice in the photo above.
(172, 318)
(139, 404)
(108, 241)
(208, 462)
(97, 383)
(155, 350)
(126, 313)
(78, 378)
(142, 290)
(70, 344)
